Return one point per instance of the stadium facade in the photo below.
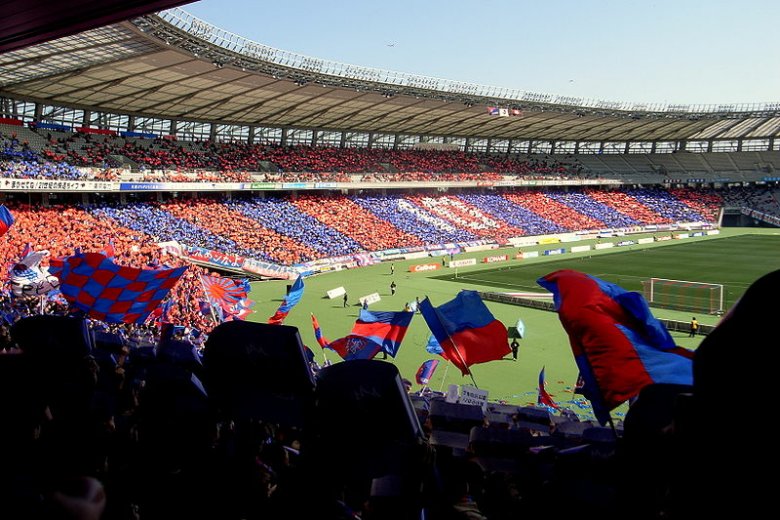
(173, 74)
(174, 77)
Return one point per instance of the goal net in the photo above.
(684, 295)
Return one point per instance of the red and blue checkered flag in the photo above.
(109, 292)
(6, 220)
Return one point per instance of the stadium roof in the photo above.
(174, 66)
(33, 21)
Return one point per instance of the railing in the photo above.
(202, 30)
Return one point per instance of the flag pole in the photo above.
(457, 350)
(446, 369)
(471, 374)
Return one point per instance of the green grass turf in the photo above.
(710, 261)
(740, 260)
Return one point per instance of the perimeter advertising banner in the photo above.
(56, 185)
(463, 263)
(494, 259)
(419, 268)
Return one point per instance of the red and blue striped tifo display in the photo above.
(109, 292)
(466, 330)
(619, 346)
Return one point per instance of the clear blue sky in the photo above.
(680, 51)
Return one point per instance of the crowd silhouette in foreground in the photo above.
(99, 427)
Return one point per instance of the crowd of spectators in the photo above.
(308, 227)
(196, 176)
(410, 218)
(627, 205)
(429, 176)
(19, 161)
(121, 423)
(84, 149)
(22, 169)
(562, 215)
(284, 217)
(349, 218)
(61, 229)
(466, 216)
(518, 216)
(761, 198)
(665, 204)
(589, 206)
(705, 202)
(255, 239)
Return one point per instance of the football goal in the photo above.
(684, 295)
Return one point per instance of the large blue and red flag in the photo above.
(6, 220)
(466, 330)
(290, 301)
(426, 370)
(355, 347)
(383, 327)
(324, 343)
(619, 346)
(374, 332)
(109, 292)
(544, 398)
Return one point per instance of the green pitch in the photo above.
(734, 262)
(735, 258)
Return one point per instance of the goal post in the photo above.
(684, 295)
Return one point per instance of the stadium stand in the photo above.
(177, 419)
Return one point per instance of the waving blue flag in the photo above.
(290, 301)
